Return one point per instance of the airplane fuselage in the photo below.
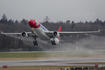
(39, 30)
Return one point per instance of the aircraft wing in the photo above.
(69, 33)
(30, 34)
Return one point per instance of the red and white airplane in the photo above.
(39, 31)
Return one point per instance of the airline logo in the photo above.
(37, 24)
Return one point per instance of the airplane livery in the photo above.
(39, 31)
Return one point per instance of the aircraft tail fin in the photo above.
(59, 30)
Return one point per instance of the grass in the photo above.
(37, 54)
(22, 55)
(44, 55)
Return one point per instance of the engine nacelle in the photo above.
(56, 34)
(24, 34)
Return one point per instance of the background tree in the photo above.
(46, 19)
(3, 19)
(68, 21)
(72, 25)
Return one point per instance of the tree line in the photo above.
(9, 25)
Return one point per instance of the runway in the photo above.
(53, 62)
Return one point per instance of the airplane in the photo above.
(39, 31)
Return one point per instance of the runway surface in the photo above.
(53, 62)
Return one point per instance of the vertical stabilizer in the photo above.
(59, 30)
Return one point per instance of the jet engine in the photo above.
(24, 34)
(56, 34)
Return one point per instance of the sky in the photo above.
(56, 10)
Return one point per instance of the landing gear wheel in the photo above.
(53, 42)
(35, 43)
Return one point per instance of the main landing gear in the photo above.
(35, 42)
(53, 42)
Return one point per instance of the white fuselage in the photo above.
(41, 34)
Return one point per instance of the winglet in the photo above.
(99, 30)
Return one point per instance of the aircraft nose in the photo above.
(34, 24)
(31, 24)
